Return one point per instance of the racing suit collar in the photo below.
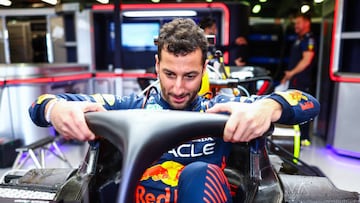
(166, 105)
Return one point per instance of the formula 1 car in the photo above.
(116, 161)
(249, 166)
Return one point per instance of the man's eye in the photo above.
(170, 75)
(190, 76)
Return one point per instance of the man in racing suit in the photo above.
(191, 172)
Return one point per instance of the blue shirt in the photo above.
(304, 79)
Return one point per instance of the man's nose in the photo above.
(179, 83)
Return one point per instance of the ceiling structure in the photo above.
(269, 8)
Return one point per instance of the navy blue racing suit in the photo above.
(195, 164)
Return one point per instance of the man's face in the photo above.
(180, 77)
(301, 26)
(211, 30)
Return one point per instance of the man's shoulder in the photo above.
(308, 42)
(309, 36)
(223, 98)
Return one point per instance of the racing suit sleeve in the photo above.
(108, 101)
(297, 106)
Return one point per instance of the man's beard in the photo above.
(167, 96)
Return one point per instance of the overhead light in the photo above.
(52, 2)
(5, 2)
(318, 1)
(262, 1)
(256, 8)
(37, 5)
(155, 1)
(166, 13)
(305, 8)
(103, 1)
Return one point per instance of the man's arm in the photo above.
(248, 120)
(251, 120)
(305, 61)
(38, 109)
(66, 111)
(239, 41)
(68, 118)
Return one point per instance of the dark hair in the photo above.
(206, 22)
(182, 36)
(305, 16)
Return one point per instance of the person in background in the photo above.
(208, 24)
(300, 73)
(198, 164)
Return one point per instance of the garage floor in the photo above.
(343, 171)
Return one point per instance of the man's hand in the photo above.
(287, 76)
(248, 121)
(240, 41)
(68, 119)
(239, 62)
(307, 57)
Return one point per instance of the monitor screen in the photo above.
(139, 36)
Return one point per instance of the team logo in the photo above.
(293, 97)
(153, 107)
(167, 172)
(311, 44)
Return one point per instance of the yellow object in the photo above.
(227, 70)
(236, 92)
(205, 84)
(305, 143)
(296, 142)
(42, 98)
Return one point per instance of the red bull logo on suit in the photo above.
(168, 173)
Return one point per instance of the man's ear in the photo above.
(157, 64)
